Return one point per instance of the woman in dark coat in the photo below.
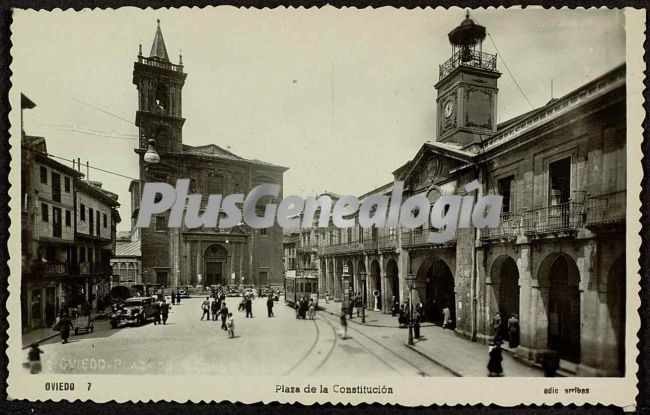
(494, 364)
(65, 324)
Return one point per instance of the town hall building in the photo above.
(557, 259)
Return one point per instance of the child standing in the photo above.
(230, 323)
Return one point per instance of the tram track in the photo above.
(390, 350)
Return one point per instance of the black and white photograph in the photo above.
(380, 117)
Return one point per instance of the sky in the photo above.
(340, 97)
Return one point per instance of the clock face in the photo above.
(449, 108)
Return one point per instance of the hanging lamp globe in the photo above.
(151, 156)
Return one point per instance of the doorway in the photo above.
(564, 310)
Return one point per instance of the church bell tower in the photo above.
(160, 111)
(467, 88)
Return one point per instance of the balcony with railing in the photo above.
(564, 218)
(157, 63)
(87, 268)
(510, 225)
(387, 242)
(420, 238)
(606, 209)
(470, 58)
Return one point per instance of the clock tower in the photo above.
(467, 88)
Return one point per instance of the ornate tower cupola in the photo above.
(467, 88)
(160, 84)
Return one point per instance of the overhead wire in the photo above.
(510, 72)
(87, 165)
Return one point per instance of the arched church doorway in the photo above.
(215, 261)
(564, 309)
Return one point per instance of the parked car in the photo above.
(135, 310)
(183, 292)
(233, 292)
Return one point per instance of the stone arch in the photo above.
(436, 289)
(392, 279)
(338, 277)
(215, 260)
(361, 274)
(504, 277)
(559, 274)
(352, 274)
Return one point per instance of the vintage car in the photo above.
(184, 292)
(135, 310)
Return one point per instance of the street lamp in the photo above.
(363, 297)
(151, 156)
(410, 280)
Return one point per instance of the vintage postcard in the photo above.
(416, 207)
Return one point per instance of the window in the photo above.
(505, 189)
(56, 187)
(66, 184)
(82, 254)
(97, 224)
(43, 175)
(349, 234)
(68, 218)
(91, 221)
(82, 212)
(263, 231)
(161, 225)
(559, 173)
(105, 221)
(45, 214)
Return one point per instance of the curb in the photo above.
(56, 333)
(421, 353)
(370, 325)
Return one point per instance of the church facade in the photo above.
(195, 257)
(557, 260)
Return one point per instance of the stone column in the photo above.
(384, 279)
(530, 302)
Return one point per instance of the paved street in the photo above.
(262, 346)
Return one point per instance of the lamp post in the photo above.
(363, 297)
(410, 280)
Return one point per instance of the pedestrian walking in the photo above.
(344, 324)
(395, 307)
(156, 313)
(312, 309)
(215, 307)
(173, 298)
(446, 318)
(34, 359)
(496, 325)
(205, 306)
(513, 331)
(223, 312)
(495, 369)
(64, 325)
(178, 297)
(269, 305)
(249, 307)
(164, 311)
(358, 303)
(230, 324)
(327, 297)
(351, 305)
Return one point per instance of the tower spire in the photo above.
(158, 48)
